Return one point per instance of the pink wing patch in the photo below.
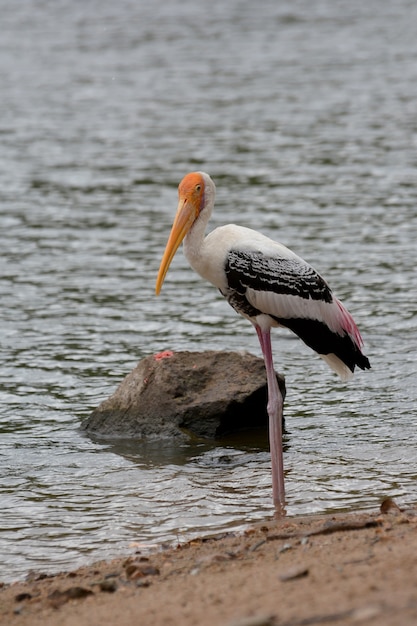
(348, 324)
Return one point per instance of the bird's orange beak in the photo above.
(187, 212)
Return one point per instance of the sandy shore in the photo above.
(343, 569)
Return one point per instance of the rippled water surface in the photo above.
(304, 114)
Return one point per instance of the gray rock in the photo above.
(177, 395)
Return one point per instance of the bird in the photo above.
(269, 285)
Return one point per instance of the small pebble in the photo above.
(285, 547)
(110, 586)
(23, 596)
(365, 613)
(260, 620)
(299, 571)
(137, 570)
(59, 597)
(257, 545)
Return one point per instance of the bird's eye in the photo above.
(198, 187)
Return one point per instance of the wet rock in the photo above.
(388, 505)
(181, 394)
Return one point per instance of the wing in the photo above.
(294, 295)
(277, 286)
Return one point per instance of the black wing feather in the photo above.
(267, 273)
(257, 271)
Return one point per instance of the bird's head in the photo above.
(193, 193)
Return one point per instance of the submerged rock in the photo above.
(181, 394)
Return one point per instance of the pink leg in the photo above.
(275, 423)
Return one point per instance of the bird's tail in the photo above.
(338, 366)
(335, 337)
(349, 346)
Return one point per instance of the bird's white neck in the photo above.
(194, 240)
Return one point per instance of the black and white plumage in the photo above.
(297, 297)
(269, 285)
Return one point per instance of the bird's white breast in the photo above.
(209, 260)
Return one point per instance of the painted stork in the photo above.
(270, 286)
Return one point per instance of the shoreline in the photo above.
(352, 568)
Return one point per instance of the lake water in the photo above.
(304, 113)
